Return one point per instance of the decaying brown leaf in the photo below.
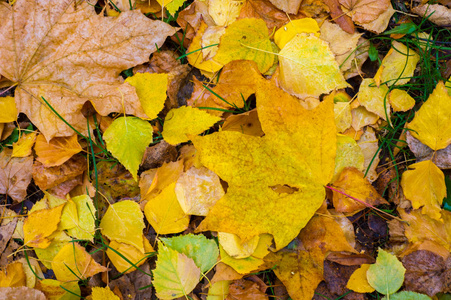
(15, 175)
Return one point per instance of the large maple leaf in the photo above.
(65, 52)
(298, 150)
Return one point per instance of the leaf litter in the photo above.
(224, 149)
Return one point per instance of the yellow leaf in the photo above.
(353, 183)
(349, 154)
(57, 151)
(196, 58)
(400, 62)
(285, 33)
(374, 98)
(84, 228)
(224, 12)
(424, 185)
(73, 263)
(57, 290)
(432, 122)
(36, 232)
(251, 263)
(70, 62)
(100, 293)
(400, 100)
(343, 117)
(151, 90)
(246, 39)
(13, 275)
(8, 110)
(358, 282)
(164, 212)
(151, 185)
(368, 142)
(31, 267)
(361, 117)
(293, 152)
(247, 123)
(197, 190)
(69, 216)
(123, 222)
(59, 240)
(185, 121)
(116, 250)
(234, 247)
(308, 67)
(175, 275)
(22, 148)
(211, 36)
(219, 290)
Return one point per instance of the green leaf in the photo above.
(203, 251)
(405, 28)
(373, 53)
(405, 295)
(447, 200)
(387, 274)
(175, 274)
(127, 139)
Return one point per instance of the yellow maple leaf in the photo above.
(308, 67)
(246, 39)
(424, 185)
(432, 122)
(73, 263)
(151, 90)
(293, 152)
(36, 232)
(185, 121)
(70, 62)
(56, 151)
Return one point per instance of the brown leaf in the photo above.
(115, 182)
(442, 157)
(364, 11)
(350, 259)
(46, 178)
(19, 293)
(73, 56)
(6, 230)
(15, 175)
(439, 14)
(156, 155)
(225, 272)
(243, 289)
(339, 16)
(424, 272)
(288, 6)
(336, 276)
(191, 17)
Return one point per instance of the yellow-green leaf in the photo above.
(185, 121)
(246, 39)
(103, 293)
(175, 275)
(84, 228)
(424, 185)
(151, 90)
(308, 67)
(59, 240)
(127, 138)
(432, 122)
(387, 274)
(123, 222)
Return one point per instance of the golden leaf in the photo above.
(22, 148)
(56, 151)
(358, 282)
(400, 100)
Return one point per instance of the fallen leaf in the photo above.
(100, 293)
(339, 16)
(123, 222)
(369, 144)
(211, 36)
(224, 12)
(175, 274)
(442, 157)
(123, 255)
(358, 281)
(73, 263)
(164, 212)
(247, 123)
(381, 22)
(56, 290)
(12, 275)
(154, 181)
(400, 100)
(218, 290)
(36, 232)
(288, 6)
(127, 139)
(436, 13)
(8, 109)
(246, 39)
(361, 117)
(197, 190)
(266, 11)
(185, 121)
(431, 124)
(57, 151)
(299, 71)
(353, 183)
(374, 99)
(72, 39)
(424, 185)
(234, 247)
(58, 240)
(22, 148)
(151, 90)
(284, 34)
(15, 175)
(387, 274)
(84, 225)
(364, 11)
(21, 293)
(397, 66)
(203, 251)
(243, 289)
(407, 295)
(349, 154)
(114, 181)
(249, 165)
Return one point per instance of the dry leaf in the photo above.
(15, 175)
(57, 151)
(438, 14)
(288, 6)
(364, 11)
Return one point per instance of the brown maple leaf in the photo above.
(64, 52)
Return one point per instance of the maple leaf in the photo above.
(65, 52)
(298, 150)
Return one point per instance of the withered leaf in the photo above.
(15, 175)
